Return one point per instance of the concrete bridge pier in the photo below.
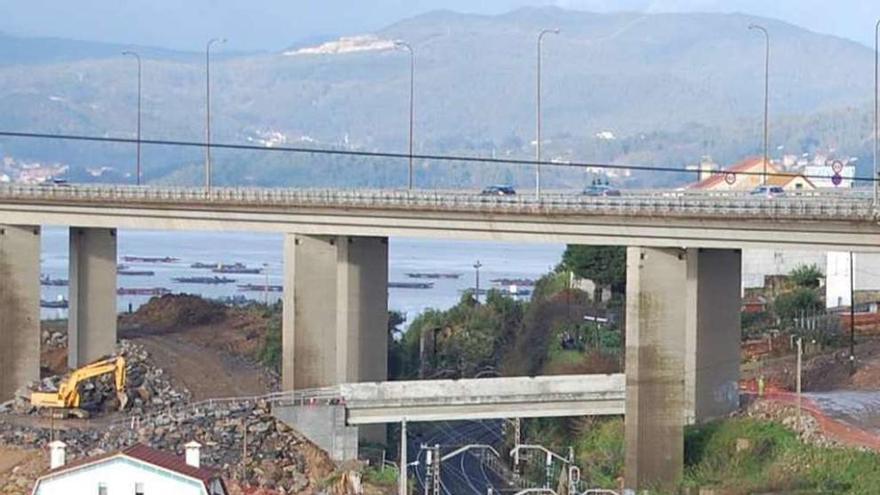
(91, 326)
(335, 321)
(682, 354)
(19, 307)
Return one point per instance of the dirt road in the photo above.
(207, 373)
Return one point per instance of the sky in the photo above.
(276, 24)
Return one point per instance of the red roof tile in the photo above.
(740, 167)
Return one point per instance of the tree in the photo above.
(808, 276)
(604, 265)
(791, 304)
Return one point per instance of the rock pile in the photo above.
(147, 387)
(807, 428)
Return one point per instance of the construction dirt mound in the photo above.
(174, 312)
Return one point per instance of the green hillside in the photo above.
(670, 87)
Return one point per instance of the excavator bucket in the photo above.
(123, 399)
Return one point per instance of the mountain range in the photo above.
(649, 89)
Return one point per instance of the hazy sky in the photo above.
(275, 24)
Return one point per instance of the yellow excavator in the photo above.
(67, 400)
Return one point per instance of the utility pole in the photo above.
(852, 314)
(477, 267)
(538, 114)
(402, 488)
(208, 110)
(800, 353)
(138, 58)
(766, 98)
(876, 111)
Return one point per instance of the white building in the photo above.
(866, 277)
(137, 470)
(758, 263)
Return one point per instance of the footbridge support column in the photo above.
(19, 307)
(682, 354)
(91, 326)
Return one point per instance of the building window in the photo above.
(138, 489)
(102, 488)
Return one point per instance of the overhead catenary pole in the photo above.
(208, 110)
(766, 98)
(138, 167)
(412, 86)
(538, 113)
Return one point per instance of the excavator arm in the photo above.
(68, 396)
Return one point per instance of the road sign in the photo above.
(730, 178)
(837, 166)
(836, 179)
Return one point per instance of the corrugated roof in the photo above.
(145, 454)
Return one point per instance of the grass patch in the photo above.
(380, 477)
(770, 459)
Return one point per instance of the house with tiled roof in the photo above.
(137, 470)
(748, 174)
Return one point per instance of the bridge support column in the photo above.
(91, 326)
(712, 345)
(682, 353)
(335, 322)
(655, 339)
(19, 307)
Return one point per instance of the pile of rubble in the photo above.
(242, 439)
(147, 387)
(807, 427)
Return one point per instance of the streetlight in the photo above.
(766, 96)
(138, 58)
(876, 109)
(412, 86)
(477, 267)
(538, 114)
(208, 110)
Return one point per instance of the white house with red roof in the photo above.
(749, 174)
(137, 470)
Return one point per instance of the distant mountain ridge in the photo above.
(668, 88)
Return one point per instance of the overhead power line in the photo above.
(382, 154)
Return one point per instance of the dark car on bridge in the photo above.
(499, 190)
(601, 190)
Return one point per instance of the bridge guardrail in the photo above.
(852, 205)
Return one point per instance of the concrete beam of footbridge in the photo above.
(491, 398)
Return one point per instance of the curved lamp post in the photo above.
(412, 85)
(538, 114)
(138, 58)
(208, 110)
(766, 96)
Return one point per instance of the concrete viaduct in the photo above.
(683, 277)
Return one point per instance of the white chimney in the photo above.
(193, 455)
(57, 454)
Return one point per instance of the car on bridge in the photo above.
(601, 190)
(499, 190)
(768, 191)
